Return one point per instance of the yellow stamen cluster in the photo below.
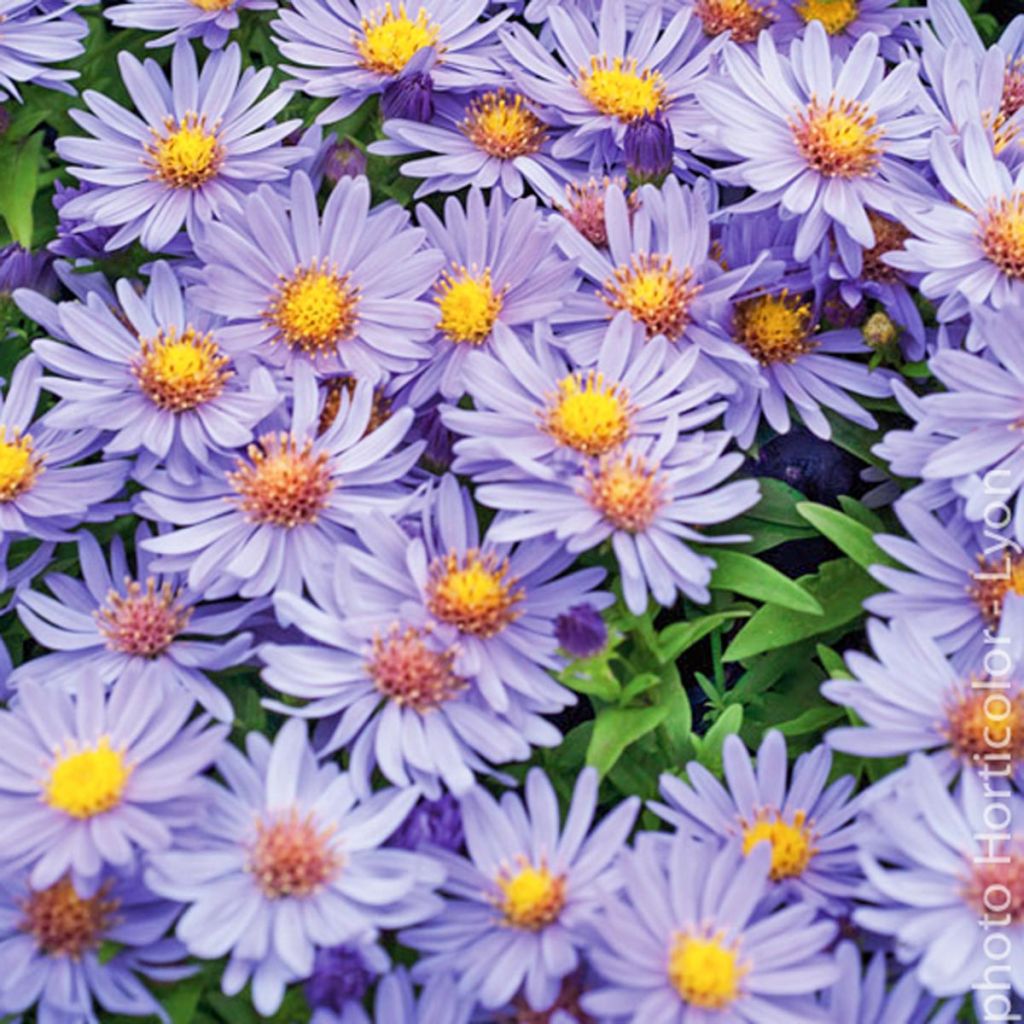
(654, 293)
(473, 592)
(619, 89)
(469, 305)
(986, 721)
(19, 465)
(314, 308)
(390, 38)
(86, 781)
(503, 126)
(188, 154)
(531, 897)
(745, 20)
(839, 139)
(705, 970)
(588, 414)
(625, 490)
(792, 842)
(181, 372)
(774, 328)
(1002, 235)
(835, 15)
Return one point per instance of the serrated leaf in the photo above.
(681, 636)
(851, 537)
(616, 728)
(749, 577)
(710, 753)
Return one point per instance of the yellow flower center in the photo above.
(314, 309)
(187, 155)
(619, 89)
(87, 782)
(283, 483)
(179, 373)
(531, 898)
(62, 923)
(292, 856)
(587, 414)
(212, 5)
(473, 592)
(469, 305)
(19, 465)
(626, 491)
(774, 328)
(390, 39)
(838, 140)
(705, 971)
(834, 15)
(654, 293)
(992, 582)
(502, 125)
(1002, 235)
(792, 843)
(986, 721)
(411, 673)
(745, 19)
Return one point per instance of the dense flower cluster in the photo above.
(411, 609)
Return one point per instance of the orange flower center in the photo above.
(839, 139)
(143, 622)
(473, 592)
(64, 924)
(409, 672)
(292, 856)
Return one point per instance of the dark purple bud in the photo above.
(340, 976)
(650, 147)
(410, 97)
(344, 160)
(431, 823)
(581, 631)
(20, 268)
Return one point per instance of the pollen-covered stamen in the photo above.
(997, 889)
(502, 125)
(19, 464)
(181, 372)
(654, 293)
(292, 855)
(840, 139)
(705, 970)
(774, 328)
(744, 19)
(1001, 128)
(62, 923)
(619, 88)
(334, 387)
(531, 897)
(411, 672)
(792, 842)
(84, 781)
(474, 592)
(588, 414)
(584, 208)
(284, 483)
(992, 582)
(390, 38)
(314, 308)
(143, 622)
(1002, 235)
(626, 491)
(1013, 89)
(469, 305)
(835, 15)
(187, 154)
(890, 236)
(986, 722)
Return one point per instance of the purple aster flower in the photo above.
(203, 140)
(41, 494)
(63, 949)
(351, 49)
(34, 38)
(432, 823)
(503, 273)
(604, 74)
(115, 622)
(341, 291)
(825, 139)
(806, 822)
(846, 22)
(91, 781)
(519, 905)
(742, 20)
(687, 942)
(651, 498)
(21, 268)
(581, 631)
(289, 860)
(212, 21)
(152, 373)
(290, 500)
(342, 975)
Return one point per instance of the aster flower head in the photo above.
(805, 822)
(846, 22)
(212, 21)
(66, 951)
(687, 940)
(742, 20)
(35, 38)
(351, 49)
(199, 141)
(122, 620)
(91, 781)
(526, 892)
(833, 138)
(289, 860)
(341, 292)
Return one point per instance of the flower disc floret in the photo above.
(986, 721)
(744, 20)
(469, 305)
(474, 592)
(619, 88)
(835, 15)
(502, 125)
(188, 154)
(292, 856)
(64, 924)
(143, 621)
(705, 970)
(390, 38)
(19, 465)
(839, 139)
(792, 842)
(1002, 235)
(179, 372)
(774, 328)
(655, 293)
(407, 670)
(589, 414)
(626, 491)
(88, 780)
(314, 308)
(531, 897)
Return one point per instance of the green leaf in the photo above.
(852, 538)
(616, 728)
(743, 574)
(710, 751)
(182, 1000)
(681, 636)
(855, 510)
(678, 725)
(593, 677)
(811, 720)
(637, 685)
(832, 662)
(19, 170)
(777, 503)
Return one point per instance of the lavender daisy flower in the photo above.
(115, 623)
(503, 273)
(203, 140)
(152, 372)
(62, 950)
(91, 781)
(829, 140)
(846, 22)
(685, 942)
(650, 498)
(351, 49)
(341, 291)
(806, 823)
(519, 904)
(289, 860)
(212, 21)
(34, 38)
(290, 500)
(41, 494)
